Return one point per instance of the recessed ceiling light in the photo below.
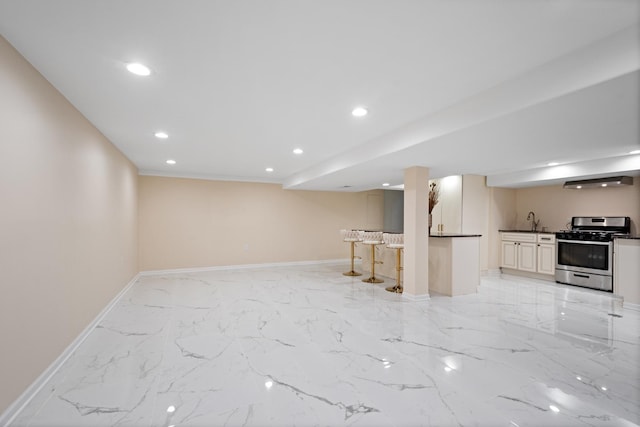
(634, 152)
(386, 184)
(359, 112)
(138, 69)
(554, 408)
(298, 151)
(171, 162)
(269, 169)
(603, 185)
(161, 135)
(553, 164)
(578, 186)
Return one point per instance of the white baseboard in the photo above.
(243, 266)
(630, 306)
(416, 298)
(9, 415)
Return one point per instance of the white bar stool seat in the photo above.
(352, 237)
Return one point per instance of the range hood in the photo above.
(614, 181)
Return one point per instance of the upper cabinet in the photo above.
(448, 211)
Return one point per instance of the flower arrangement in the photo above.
(434, 194)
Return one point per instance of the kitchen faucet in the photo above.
(532, 217)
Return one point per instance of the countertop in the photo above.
(631, 237)
(528, 231)
(443, 234)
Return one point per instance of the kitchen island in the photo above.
(454, 263)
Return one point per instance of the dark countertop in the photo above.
(632, 237)
(528, 231)
(443, 234)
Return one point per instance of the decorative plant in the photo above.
(434, 193)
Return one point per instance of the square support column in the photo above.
(416, 233)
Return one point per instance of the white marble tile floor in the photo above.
(307, 346)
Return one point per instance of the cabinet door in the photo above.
(509, 255)
(546, 259)
(527, 257)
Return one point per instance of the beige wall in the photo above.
(185, 223)
(555, 206)
(67, 223)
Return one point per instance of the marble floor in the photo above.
(304, 345)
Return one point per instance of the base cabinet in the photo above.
(546, 259)
(626, 269)
(530, 252)
(509, 255)
(527, 256)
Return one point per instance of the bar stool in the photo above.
(373, 238)
(396, 241)
(352, 237)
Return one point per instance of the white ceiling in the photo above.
(490, 87)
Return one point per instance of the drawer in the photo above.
(547, 238)
(520, 237)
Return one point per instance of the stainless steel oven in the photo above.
(584, 254)
(585, 263)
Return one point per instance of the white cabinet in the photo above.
(531, 252)
(626, 269)
(509, 255)
(546, 253)
(519, 251)
(527, 255)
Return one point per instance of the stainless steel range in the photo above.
(584, 254)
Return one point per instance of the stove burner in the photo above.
(596, 229)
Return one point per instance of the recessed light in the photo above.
(171, 162)
(161, 135)
(359, 112)
(553, 164)
(554, 408)
(298, 151)
(138, 69)
(578, 186)
(386, 184)
(269, 169)
(603, 185)
(634, 152)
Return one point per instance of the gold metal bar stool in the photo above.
(373, 238)
(396, 241)
(352, 237)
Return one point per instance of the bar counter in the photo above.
(454, 263)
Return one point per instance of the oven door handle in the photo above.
(583, 242)
(584, 276)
